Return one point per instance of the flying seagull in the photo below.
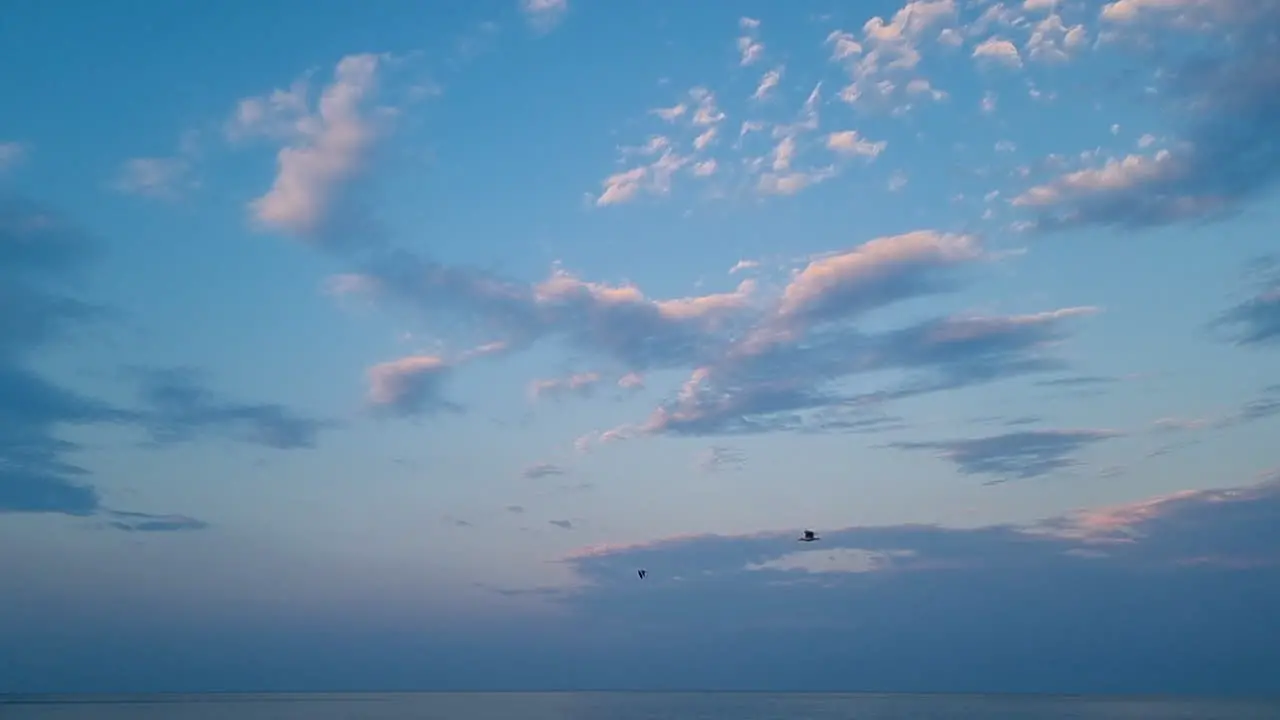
(808, 536)
(642, 573)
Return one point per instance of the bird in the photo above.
(808, 536)
(642, 573)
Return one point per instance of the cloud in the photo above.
(758, 362)
(1076, 381)
(631, 381)
(750, 48)
(786, 372)
(457, 522)
(178, 407)
(768, 82)
(544, 15)
(849, 142)
(161, 178)
(999, 51)
(562, 524)
(410, 386)
(515, 509)
(1255, 321)
(42, 256)
(147, 523)
(1015, 455)
(580, 384)
(541, 470)
(1048, 606)
(327, 151)
(720, 457)
(1226, 91)
(882, 65)
(1265, 405)
(1053, 41)
(12, 154)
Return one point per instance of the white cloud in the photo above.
(1000, 51)
(844, 45)
(951, 37)
(850, 142)
(670, 114)
(631, 381)
(790, 183)
(1127, 10)
(281, 114)
(707, 112)
(897, 181)
(886, 59)
(654, 178)
(706, 168)
(1053, 41)
(750, 49)
(1114, 175)
(768, 82)
(581, 384)
(12, 154)
(329, 148)
(160, 178)
(543, 15)
(409, 386)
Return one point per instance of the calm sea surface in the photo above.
(624, 706)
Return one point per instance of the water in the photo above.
(626, 706)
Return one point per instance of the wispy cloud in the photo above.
(541, 470)
(718, 458)
(544, 15)
(39, 253)
(580, 384)
(166, 178)
(12, 154)
(147, 523)
(1015, 455)
(178, 406)
(749, 46)
(1255, 321)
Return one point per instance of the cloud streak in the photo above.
(41, 257)
(1015, 455)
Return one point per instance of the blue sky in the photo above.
(418, 332)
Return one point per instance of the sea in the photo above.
(626, 706)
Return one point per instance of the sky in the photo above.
(347, 349)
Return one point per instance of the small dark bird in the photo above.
(642, 573)
(808, 536)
